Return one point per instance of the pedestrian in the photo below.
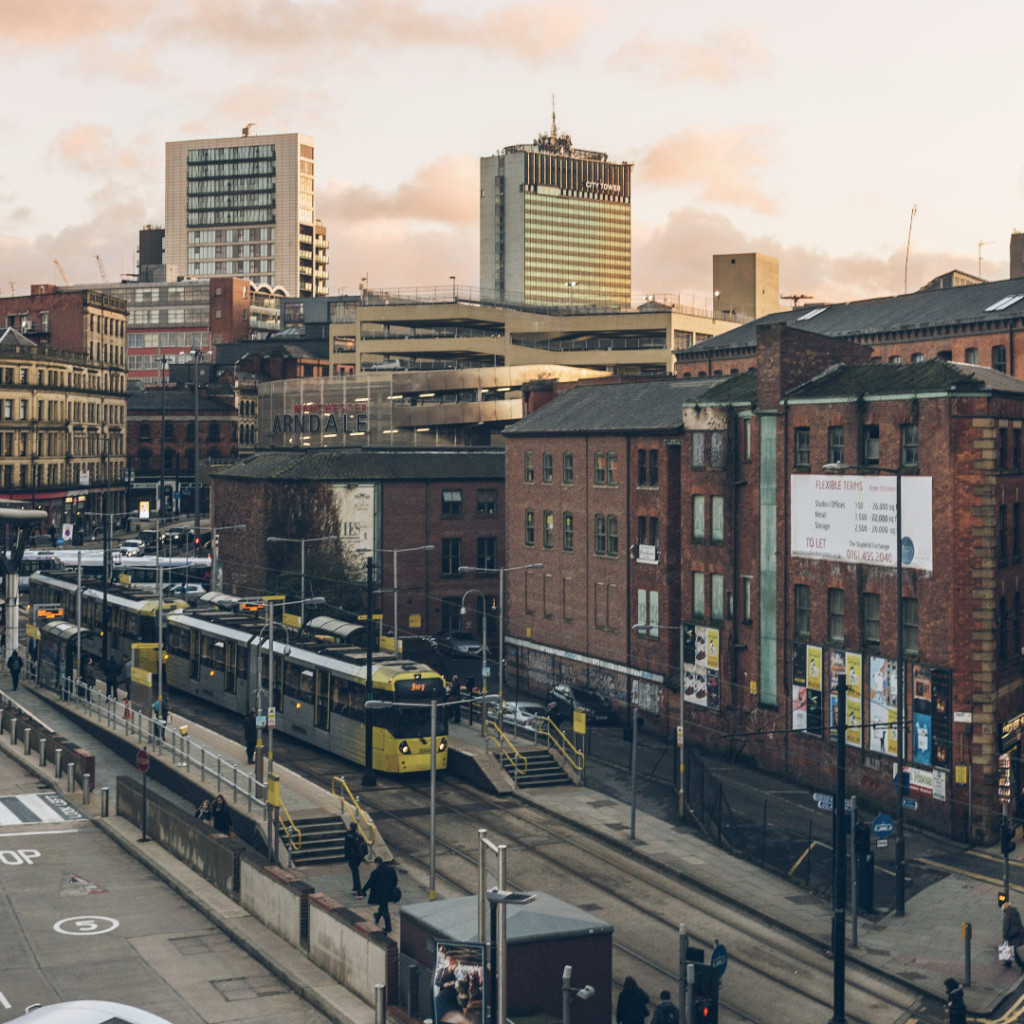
(204, 812)
(381, 885)
(88, 679)
(355, 853)
(126, 677)
(456, 696)
(666, 1011)
(632, 1005)
(1013, 932)
(955, 1007)
(53, 535)
(221, 816)
(110, 673)
(249, 727)
(14, 666)
(159, 717)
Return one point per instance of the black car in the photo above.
(175, 536)
(563, 700)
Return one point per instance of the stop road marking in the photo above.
(12, 857)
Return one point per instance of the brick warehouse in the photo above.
(765, 619)
(376, 500)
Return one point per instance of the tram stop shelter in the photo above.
(543, 937)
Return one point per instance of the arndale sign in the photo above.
(325, 419)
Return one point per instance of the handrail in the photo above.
(289, 828)
(354, 809)
(572, 754)
(517, 761)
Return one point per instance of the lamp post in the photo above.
(451, 277)
(395, 552)
(571, 285)
(369, 778)
(483, 652)
(303, 541)
(499, 899)
(163, 427)
(901, 699)
(214, 584)
(501, 612)
(195, 439)
(645, 630)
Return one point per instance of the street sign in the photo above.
(826, 803)
(963, 717)
(719, 959)
(272, 718)
(882, 843)
(883, 826)
(910, 803)
(142, 761)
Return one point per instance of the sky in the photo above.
(806, 131)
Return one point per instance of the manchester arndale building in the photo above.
(244, 207)
(555, 225)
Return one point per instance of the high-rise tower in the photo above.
(244, 207)
(555, 225)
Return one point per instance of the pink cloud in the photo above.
(444, 191)
(93, 149)
(720, 58)
(723, 165)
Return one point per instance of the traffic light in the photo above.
(1006, 831)
(705, 994)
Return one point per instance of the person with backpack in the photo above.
(14, 665)
(355, 853)
(665, 1012)
(383, 886)
(631, 1007)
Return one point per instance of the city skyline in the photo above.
(790, 132)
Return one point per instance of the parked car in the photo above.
(190, 592)
(563, 700)
(132, 547)
(459, 643)
(521, 715)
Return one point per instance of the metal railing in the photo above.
(515, 761)
(561, 745)
(292, 832)
(351, 806)
(173, 742)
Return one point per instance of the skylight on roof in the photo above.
(811, 313)
(1004, 303)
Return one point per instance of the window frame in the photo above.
(802, 611)
(802, 448)
(836, 615)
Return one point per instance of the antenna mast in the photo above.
(906, 259)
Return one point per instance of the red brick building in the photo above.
(980, 324)
(779, 582)
(377, 501)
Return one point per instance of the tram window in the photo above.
(305, 682)
(321, 716)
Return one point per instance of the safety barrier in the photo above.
(351, 806)
(511, 757)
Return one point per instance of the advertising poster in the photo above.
(815, 690)
(854, 700)
(882, 706)
(806, 688)
(799, 688)
(942, 718)
(459, 983)
(701, 674)
(847, 518)
(922, 738)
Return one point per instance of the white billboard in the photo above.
(853, 519)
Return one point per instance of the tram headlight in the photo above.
(442, 745)
(404, 748)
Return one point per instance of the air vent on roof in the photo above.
(811, 313)
(1004, 303)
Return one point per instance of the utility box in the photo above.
(543, 937)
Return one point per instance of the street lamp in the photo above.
(195, 438)
(163, 428)
(499, 899)
(214, 584)
(571, 285)
(644, 629)
(303, 541)
(483, 652)
(901, 708)
(501, 612)
(395, 552)
(451, 277)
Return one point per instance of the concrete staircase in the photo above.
(323, 841)
(542, 770)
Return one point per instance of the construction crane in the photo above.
(61, 269)
(103, 272)
(795, 299)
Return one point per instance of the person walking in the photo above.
(666, 1011)
(955, 1008)
(456, 697)
(88, 679)
(204, 812)
(125, 677)
(14, 665)
(160, 712)
(381, 886)
(249, 728)
(110, 671)
(355, 853)
(221, 816)
(1013, 931)
(631, 1007)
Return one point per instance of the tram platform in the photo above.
(920, 949)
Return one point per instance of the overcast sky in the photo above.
(804, 130)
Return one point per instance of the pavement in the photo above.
(920, 948)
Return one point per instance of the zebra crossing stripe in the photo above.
(35, 809)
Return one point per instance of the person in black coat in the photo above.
(955, 1002)
(355, 853)
(249, 728)
(632, 1005)
(381, 885)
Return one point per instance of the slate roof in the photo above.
(627, 406)
(9, 336)
(148, 400)
(362, 464)
(942, 308)
(936, 376)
